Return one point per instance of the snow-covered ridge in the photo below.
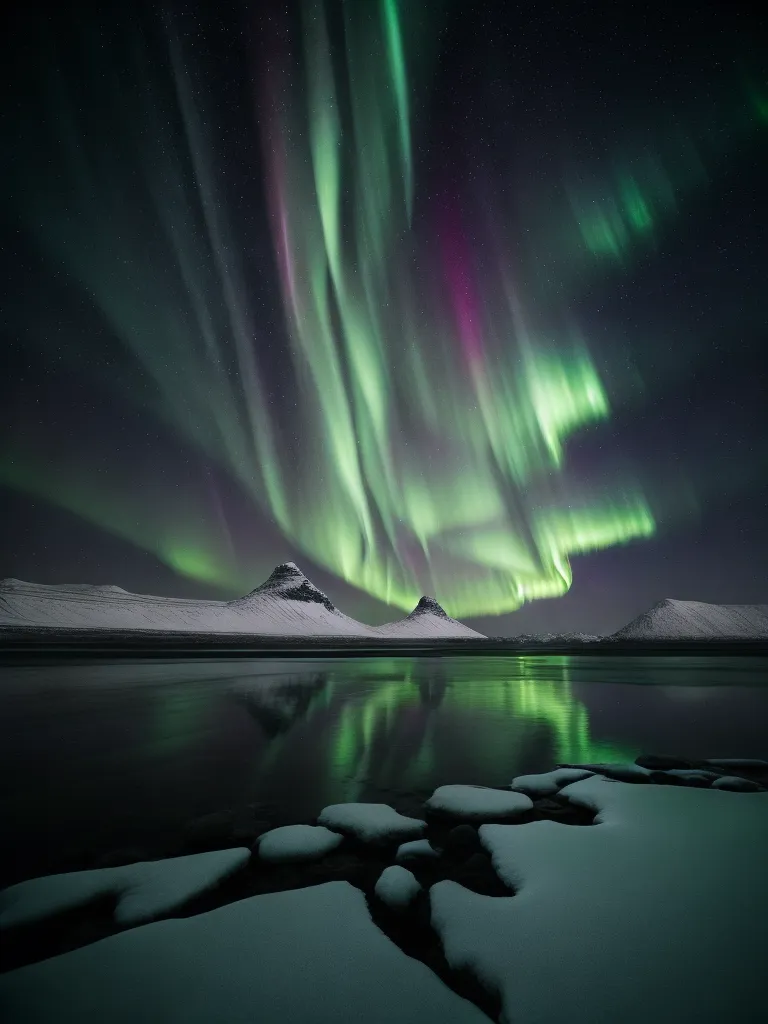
(695, 620)
(287, 604)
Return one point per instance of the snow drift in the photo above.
(695, 620)
(287, 604)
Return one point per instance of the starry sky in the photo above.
(465, 299)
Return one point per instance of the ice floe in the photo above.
(144, 891)
(371, 822)
(397, 887)
(309, 954)
(298, 843)
(655, 913)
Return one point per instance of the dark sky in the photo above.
(425, 297)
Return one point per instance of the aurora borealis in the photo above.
(387, 289)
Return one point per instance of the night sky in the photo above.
(466, 299)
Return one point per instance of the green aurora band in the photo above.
(433, 405)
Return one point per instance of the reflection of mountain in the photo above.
(277, 704)
(432, 683)
(395, 734)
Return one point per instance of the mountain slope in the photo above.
(427, 620)
(286, 605)
(695, 620)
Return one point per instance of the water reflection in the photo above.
(403, 722)
(277, 705)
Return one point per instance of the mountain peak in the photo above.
(429, 606)
(288, 582)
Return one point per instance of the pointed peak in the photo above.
(429, 606)
(288, 582)
(283, 572)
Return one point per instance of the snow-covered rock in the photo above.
(620, 772)
(417, 849)
(547, 783)
(655, 913)
(304, 955)
(427, 620)
(371, 823)
(297, 843)
(144, 891)
(732, 763)
(735, 784)
(397, 887)
(695, 620)
(478, 802)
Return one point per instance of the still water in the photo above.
(100, 756)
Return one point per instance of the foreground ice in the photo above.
(548, 783)
(144, 891)
(307, 955)
(397, 887)
(371, 822)
(656, 913)
(478, 802)
(297, 843)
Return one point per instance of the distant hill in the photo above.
(695, 620)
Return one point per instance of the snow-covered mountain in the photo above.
(695, 620)
(427, 620)
(287, 604)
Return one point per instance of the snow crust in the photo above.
(306, 955)
(144, 891)
(547, 783)
(397, 887)
(695, 620)
(371, 822)
(656, 913)
(297, 843)
(416, 848)
(287, 604)
(478, 802)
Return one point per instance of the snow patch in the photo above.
(304, 955)
(297, 843)
(371, 822)
(478, 802)
(548, 783)
(417, 848)
(144, 891)
(656, 913)
(397, 887)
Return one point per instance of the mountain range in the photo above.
(287, 604)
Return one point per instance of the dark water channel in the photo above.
(95, 757)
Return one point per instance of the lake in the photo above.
(99, 756)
